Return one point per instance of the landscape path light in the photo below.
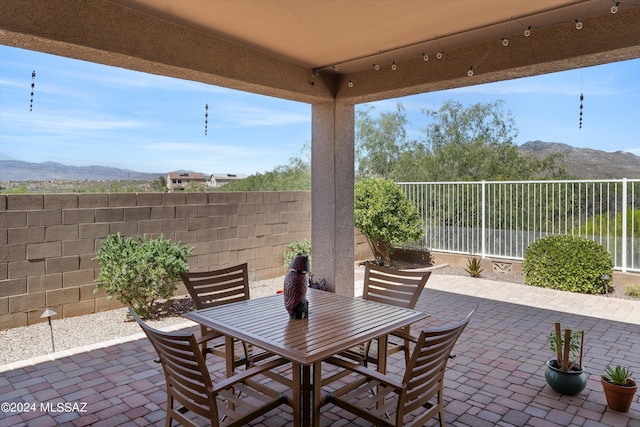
(606, 279)
(48, 313)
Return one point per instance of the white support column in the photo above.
(332, 177)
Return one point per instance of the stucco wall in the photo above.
(47, 242)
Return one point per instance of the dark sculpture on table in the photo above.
(295, 288)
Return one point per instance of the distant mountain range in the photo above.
(16, 170)
(585, 163)
(582, 163)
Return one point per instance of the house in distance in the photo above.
(220, 179)
(179, 181)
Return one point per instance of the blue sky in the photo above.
(89, 114)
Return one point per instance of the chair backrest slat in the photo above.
(394, 287)
(424, 375)
(187, 378)
(190, 389)
(217, 287)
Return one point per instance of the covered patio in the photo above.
(332, 55)
(496, 378)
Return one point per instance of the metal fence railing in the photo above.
(501, 218)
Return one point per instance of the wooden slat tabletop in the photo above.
(335, 323)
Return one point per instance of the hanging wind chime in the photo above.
(581, 99)
(206, 118)
(33, 85)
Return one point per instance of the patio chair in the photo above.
(398, 288)
(235, 400)
(385, 400)
(217, 287)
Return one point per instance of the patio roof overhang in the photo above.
(323, 53)
(309, 51)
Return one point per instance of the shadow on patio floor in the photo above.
(497, 377)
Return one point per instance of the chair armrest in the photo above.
(404, 336)
(208, 337)
(370, 373)
(248, 373)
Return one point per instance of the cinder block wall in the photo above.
(47, 241)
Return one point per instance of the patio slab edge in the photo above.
(598, 306)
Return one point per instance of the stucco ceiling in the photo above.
(357, 33)
(325, 49)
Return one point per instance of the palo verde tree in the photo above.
(380, 142)
(459, 144)
(385, 216)
(477, 143)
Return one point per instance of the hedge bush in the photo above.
(140, 271)
(302, 247)
(567, 263)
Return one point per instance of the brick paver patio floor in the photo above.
(496, 379)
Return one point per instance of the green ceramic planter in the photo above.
(568, 383)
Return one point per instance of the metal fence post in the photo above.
(624, 225)
(483, 250)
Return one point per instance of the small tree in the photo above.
(385, 216)
(160, 185)
(140, 271)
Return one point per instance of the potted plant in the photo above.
(619, 388)
(565, 373)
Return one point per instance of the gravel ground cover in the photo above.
(35, 340)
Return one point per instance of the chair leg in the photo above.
(203, 346)
(407, 355)
(367, 348)
(441, 411)
(206, 350)
(169, 406)
(247, 355)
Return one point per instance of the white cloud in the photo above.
(70, 121)
(204, 148)
(236, 115)
(598, 82)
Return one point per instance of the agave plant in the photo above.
(618, 375)
(473, 267)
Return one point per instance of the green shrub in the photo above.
(140, 271)
(294, 248)
(567, 263)
(385, 216)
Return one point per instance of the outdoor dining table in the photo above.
(336, 323)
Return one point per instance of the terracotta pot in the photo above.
(568, 383)
(619, 397)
